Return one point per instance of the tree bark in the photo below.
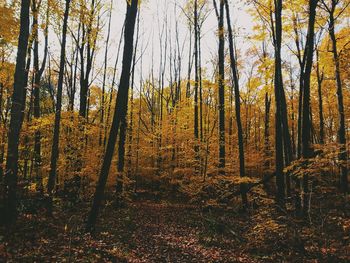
(267, 131)
(102, 116)
(112, 89)
(307, 151)
(320, 77)
(85, 74)
(56, 133)
(280, 178)
(196, 88)
(343, 156)
(124, 126)
(119, 113)
(37, 78)
(221, 84)
(18, 98)
(233, 61)
(309, 50)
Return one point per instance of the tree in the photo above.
(102, 116)
(123, 126)
(272, 16)
(37, 78)
(309, 50)
(56, 132)
(234, 71)
(278, 101)
(196, 82)
(331, 8)
(89, 39)
(306, 122)
(221, 83)
(18, 99)
(320, 78)
(119, 112)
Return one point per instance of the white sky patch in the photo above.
(152, 16)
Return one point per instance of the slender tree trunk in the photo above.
(287, 142)
(121, 156)
(119, 113)
(293, 114)
(301, 60)
(188, 85)
(131, 126)
(280, 178)
(84, 89)
(138, 127)
(196, 87)
(343, 156)
(162, 68)
(29, 112)
(237, 105)
(300, 108)
(309, 50)
(102, 116)
(112, 88)
(267, 131)
(3, 136)
(320, 77)
(284, 153)
(56, 133)
(124, 126)
(74, 88)
(221, 83)
(18, 98)
(37, 78)
(307, 151)
(200, 84)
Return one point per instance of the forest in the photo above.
(174, 131)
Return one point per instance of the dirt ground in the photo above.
(149, 231)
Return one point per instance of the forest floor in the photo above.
(149, 231)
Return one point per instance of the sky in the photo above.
(152, 15)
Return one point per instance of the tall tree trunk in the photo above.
(309, 50)
(320, 77)
(162, 68)
(200, 84)
(300, 113)
(18, 98)
(294, 150)
(29, 111)
(121, 156)
(267, 131)
(102, 116)
(189, 70)
(301, 61)
(124, 126)
(112, 88)
(221, 84)
(280, 182)
(119, 113)
(85, 74)
(3, 136)
(196, 87)
(287, 142)
(56, 133)
(37, 78)
(307, 151)
(234, 70)
(343, 156)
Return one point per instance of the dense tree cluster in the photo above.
(271, 108)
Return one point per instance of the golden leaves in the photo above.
(9, 25)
